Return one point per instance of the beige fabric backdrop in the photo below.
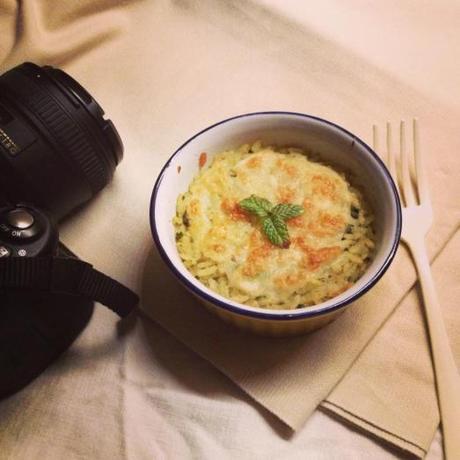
(163, 70)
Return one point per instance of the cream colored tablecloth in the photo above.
(114, 395)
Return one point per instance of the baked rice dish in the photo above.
(271, 228)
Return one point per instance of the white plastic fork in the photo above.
(417, 218)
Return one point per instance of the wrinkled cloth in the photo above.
(163, 70)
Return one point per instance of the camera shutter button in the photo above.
(20, 219)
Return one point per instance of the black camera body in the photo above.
(56, 152)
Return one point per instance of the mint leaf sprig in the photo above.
(272, 218)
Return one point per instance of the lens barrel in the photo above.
(56, 148)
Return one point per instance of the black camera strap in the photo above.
(69, 276)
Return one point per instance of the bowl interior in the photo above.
(334, 145)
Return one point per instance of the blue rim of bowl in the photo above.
(290, 314)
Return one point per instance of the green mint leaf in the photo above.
(272, 218)
(281, 227)
(287, 210)
(256, 205)
(270, 230)
(275, 229)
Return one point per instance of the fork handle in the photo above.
(445, 369)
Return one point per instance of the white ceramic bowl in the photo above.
(335, 146)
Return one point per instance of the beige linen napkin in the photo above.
(389, 390)
(172, 68)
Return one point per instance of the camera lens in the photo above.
(56, 148)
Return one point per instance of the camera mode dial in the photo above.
(26, 231)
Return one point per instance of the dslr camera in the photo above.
(57, 151)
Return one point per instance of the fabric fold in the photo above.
(57, 36)
(8, 27)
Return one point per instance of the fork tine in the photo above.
(375, 143)
(390, 157)
(422, 186)
(408, 191)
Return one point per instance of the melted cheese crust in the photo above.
(225, 248)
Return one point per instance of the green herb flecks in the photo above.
(354, 211)
(272, 218)
(186, 219)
